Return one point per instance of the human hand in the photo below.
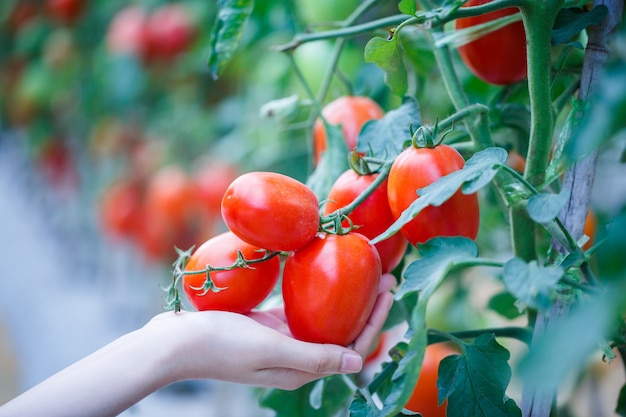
(257, 349)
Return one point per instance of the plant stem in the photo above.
(523, 334)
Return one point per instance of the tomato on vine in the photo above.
(239, 289)
(351, 112)
(425, 397)
(271, 211)
(330, 287)
(372, 217)
(499, 57)
(417, 167)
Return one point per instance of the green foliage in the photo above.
(388, 55)
(532, 284)
(474, 382)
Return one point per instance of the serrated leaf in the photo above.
(335, 397)
(475, 382)
(438, 257)
(389, 56)
(570, 22)
(407, 7)
(230, 22)
(620, 409)
(545, 207)
(531, 283)
(360, 408)
(477, 172)
(384, 138)
(332, 163)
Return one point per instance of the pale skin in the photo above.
(254, 349)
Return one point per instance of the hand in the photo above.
(258, 349)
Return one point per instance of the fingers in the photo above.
(372, 328)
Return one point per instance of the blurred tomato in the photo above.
(120, 207)
(169, 32)
(21, 14)
(65, 11)
(591, 226)
(127, 32)
(516, 161)
(170, 195)
(211, 179)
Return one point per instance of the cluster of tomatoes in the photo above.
(169, 206)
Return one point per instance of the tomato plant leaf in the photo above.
(438, 257)
(316, 395)
(385, 138)
(570, 22)
(360, 408)
(407, 7)
(531, 283)
(620, 409)
(334, 397)
(475, 381)
(504, 304)
(387, 54)
(230, 22)
(478, 171)
(545, 207)
(333, 162)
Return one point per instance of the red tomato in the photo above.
(330, 287)
(170, 195)
(271, 211)
(121, 208)
(372, 217)
(351, 112)
(416, 168)
(127, 32)
(243, 288)
(424, 399)
(66, 11)
(498, 57)
(169, 32)
(211, 180)
(516, 161)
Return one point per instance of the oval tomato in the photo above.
(169, 32)
(242, 289)
(351, 112)
(372, 217)
(498, 57)
(425, 398)
(271, 211)
(66, 11)
(330, 287)
(211, 179)
(126, 33)
(416, 168)
(120, 208)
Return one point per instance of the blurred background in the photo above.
(116, 144)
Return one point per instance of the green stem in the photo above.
(523, 334)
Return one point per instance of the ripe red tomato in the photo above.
(170, 195)
(372, 217)
(416, 168)
(243, 288)
(424, 399)
(121, 208)
(211, 179)
(330, 287)
(498, 57)
(351, 112)
(271, 211)
(169, 32)
(66, 11)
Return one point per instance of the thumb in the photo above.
(322, 359)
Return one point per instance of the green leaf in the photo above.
(360, 408)
(407, 7)
(230, 22)
(477, 172)
(333, 163)
(438, 257)
(570, 22)
(385, 138)
(475, 382)
(531, 283)
(387, 54)
(316, 395)
(620, 409)
(504, 304)
(545, 207)
(335, 396)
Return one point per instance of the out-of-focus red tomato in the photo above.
(211, 179)
(22, 13)
(127, 32)
(170, 195)
(169, 32)
(121, 208)
(65, 11)
(57, 164)
(591, 226)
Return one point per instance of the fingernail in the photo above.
(351, 363)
